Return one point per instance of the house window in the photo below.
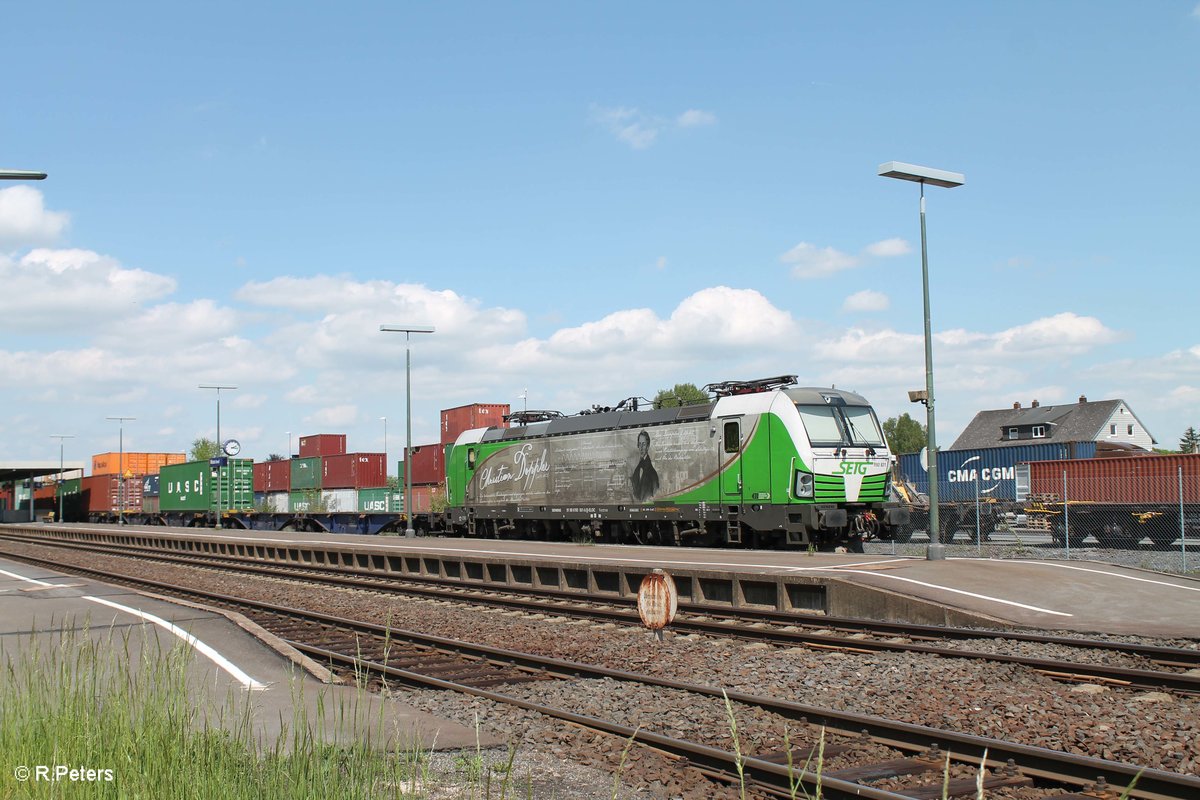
(1130, 430)
(1012, 433)
(1112, 429)
(1039, 431)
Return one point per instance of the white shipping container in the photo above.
(340, 499)
(277, 502)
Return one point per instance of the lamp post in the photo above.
(934, 177)
(289, 450)
(60, 437)
(220, 448)
(408, 331)
(21, 175)
(385, 457)
(121, 469)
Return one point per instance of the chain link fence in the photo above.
(1148, 517)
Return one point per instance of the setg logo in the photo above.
(852, 468)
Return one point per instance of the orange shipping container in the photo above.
(134, 463)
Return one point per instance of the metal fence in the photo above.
(1145, 518)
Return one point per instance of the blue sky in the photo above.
(589, 202)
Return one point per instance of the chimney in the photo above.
(1016, 405)
(1082, 398)
(1034, 404)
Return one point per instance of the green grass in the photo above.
(100, 702)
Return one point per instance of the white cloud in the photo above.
(694, 118)
(66, 290)
(1061, 335)
(809, 261)
(629, 125)
(334, 416)
(1196, 11)
(888, 248)
(24, 220)
(866, 300)
(661, 263)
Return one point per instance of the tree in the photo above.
(204, 448)
(275, 457)
(904, 434)
(1190, 443)
(683, 394)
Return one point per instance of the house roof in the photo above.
(1070, 422)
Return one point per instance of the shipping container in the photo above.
(995, 470)
(193, 486)
(150, 486)
(354, 471)
(379, 501)
(278, 502)
(1137, 480)
(273, 476)
(134, 463)
(305, 474)
(306, 501)
(424, 498)
(476, 415)
(150, 505)
(338, 501)
(428, 463)
(322, 444)
(109, 494)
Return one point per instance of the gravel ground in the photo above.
(987, 699)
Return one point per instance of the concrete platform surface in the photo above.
(229, 667)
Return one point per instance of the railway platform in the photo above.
(232, 660)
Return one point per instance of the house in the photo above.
(1109, 423)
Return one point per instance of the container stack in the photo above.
(197, 486)
(324, 479)
(428, 461)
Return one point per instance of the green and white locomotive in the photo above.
(764, 464)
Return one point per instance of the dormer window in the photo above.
(1039, 431)
(1012, 433)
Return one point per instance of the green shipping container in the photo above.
(306, 501)
(379, 501)
(306, 473)
(71, 486)
(193, 487)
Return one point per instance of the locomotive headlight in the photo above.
(804, 484)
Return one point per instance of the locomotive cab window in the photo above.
(841, 426)
(733, 437)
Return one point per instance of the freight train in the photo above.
(764, 463)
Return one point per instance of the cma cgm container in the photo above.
(273, 476)
(1137, 480)
(322, 444)
(106, 494)
(428, 463)
(191, 486)
(354, 471)
(150, 486)
(133, 463)
(476, 415)
(306, 473)
(995, 469)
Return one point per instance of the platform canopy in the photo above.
(11, 471)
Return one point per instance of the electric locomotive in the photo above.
(764, 464)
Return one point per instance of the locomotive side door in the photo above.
(731, 450)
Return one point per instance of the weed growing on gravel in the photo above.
(796, 782)
(740, 760)
(621, 766)
(102, 702)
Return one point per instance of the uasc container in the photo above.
(306, 473)
(322, 444)
(378, 501)
(197, 486)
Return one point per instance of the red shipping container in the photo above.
(475, 415)
(428, 464)
(354, 471)
(103, 493)
(1138, 479)
(323, 444)
(423, 497)
(273, 476)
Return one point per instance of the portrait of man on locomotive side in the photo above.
(644, 480)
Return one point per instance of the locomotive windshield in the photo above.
(841, 426)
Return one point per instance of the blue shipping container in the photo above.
(995, 470)
(150, 486)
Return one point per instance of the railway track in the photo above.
(1178, 668)
(917, 753)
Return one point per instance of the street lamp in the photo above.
(289, 433)
(121, 469)
(60, 437)
(21, 175)
(407, 330)
(220, 449)
(385, 458)
(934, 177)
